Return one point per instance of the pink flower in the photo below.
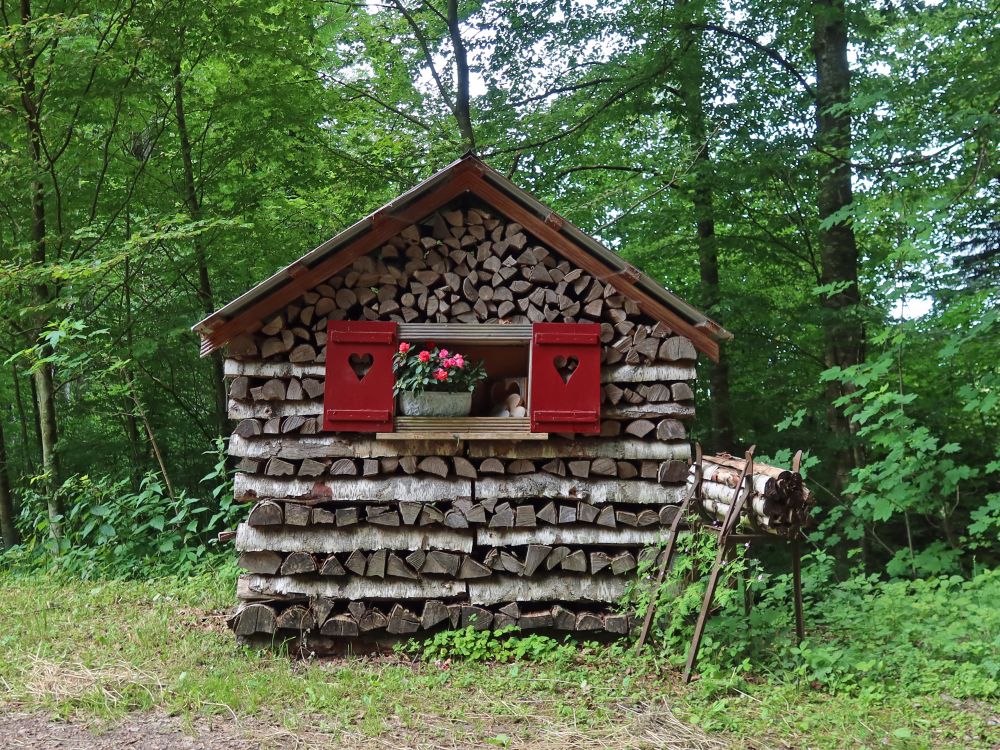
(440, 374)
(448, 362)
(443, 353)
(404, 348)
(424, 356)
(459, 360)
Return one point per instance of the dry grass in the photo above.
(48, 680)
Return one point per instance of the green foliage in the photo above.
(500, 645)
(864, 636)
(915, 637)
(113, 531)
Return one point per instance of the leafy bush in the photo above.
(863, 635)
(113, 531)
(470, 644)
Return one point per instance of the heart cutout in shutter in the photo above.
(565, 366)
(360, 364)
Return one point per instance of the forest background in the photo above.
(821, 178)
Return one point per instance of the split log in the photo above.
(640, 428)
(562, 618)
(372, 619)
(331, 567)
(340, 626)
(266, 513)
(402, 621)
(376, 564)
(434, 465)
(556, 557)
(588, 621)
(539, 619)
(298, 562)
(575, 561)
(296, 514)
(622, 563)
(477, 618)
(357, 562)
(442, 563)
(277, 467)
(599, 561)
(265, 563)
(343, 467)
(256, 618)
(534, 557)
(471, 568)
(434, 613)
(296, 617)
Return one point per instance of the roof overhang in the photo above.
(466, 175)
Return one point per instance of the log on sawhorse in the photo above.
(727, 543)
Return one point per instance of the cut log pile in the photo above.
(348, 536)
(775, 500)
(463, 266)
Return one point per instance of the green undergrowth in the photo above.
(894, 669)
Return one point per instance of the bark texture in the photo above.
(703, 202)
(843, 329)
(43, 376)
(193, 202)
(7, 528)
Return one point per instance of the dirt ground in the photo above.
(33, 731)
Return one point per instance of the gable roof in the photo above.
(467, 175)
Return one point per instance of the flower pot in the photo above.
(435, 404)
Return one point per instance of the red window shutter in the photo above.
(565, 377)
(359, 379)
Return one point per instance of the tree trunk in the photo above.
(7, 528)
(27, 460)
(703, 202)
(462, 108)
(193, 203)
(842, 329)
(43, 376)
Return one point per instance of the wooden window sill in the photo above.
(462, 428)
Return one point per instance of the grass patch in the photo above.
(100, 650)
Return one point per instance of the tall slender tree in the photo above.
(838, 249)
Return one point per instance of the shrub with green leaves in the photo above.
(864, 635)
(111, 530)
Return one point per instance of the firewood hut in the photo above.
(530, 512)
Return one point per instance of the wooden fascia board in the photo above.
(385, 226)
(573, 252)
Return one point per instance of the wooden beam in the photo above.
(421, 489)
(582, 448)
(347, 539)
(596, 492)
(331, 446)
(551, 587)
(622, 536)
(251, 587)
(384, 226)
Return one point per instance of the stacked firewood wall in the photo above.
(347, 535)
